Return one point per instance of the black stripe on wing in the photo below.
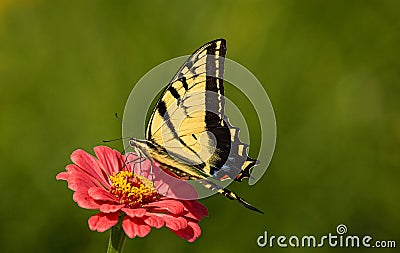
(162, 110)
(230, 162)
(237, 164)
(218, 48)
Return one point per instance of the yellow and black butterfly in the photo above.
(188, 133)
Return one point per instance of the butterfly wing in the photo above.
(188, 121)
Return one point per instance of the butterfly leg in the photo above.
(143, 158)
(126, 162)
(138, 151)
(134, 161)
(152, 173)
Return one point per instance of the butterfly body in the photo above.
(188, 133)
(165, 161)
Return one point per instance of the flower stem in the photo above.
(117, 239)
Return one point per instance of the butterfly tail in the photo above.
(228, 194)
(233, 196)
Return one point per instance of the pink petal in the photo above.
(62, 176)
(110, 208)
(170, 205)
(145, 169)
(172, 187)
(154, 221)
(78, 181)
(90, 165)
(137, 212)
(84, 200)
(98, 193)
(111, 160)
(190, 233)
(135, 227)
(103, 221)
(173, 222)
(195, 210)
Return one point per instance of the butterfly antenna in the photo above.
(117, 117)
(117, 139)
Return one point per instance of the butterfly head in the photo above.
(137, 144)
(133, 142)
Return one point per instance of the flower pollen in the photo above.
(132, 190)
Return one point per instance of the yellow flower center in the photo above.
(131, 189)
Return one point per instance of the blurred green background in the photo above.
(331, 69)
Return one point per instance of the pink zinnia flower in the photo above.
(111, 185)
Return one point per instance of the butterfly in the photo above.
(188, 134)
